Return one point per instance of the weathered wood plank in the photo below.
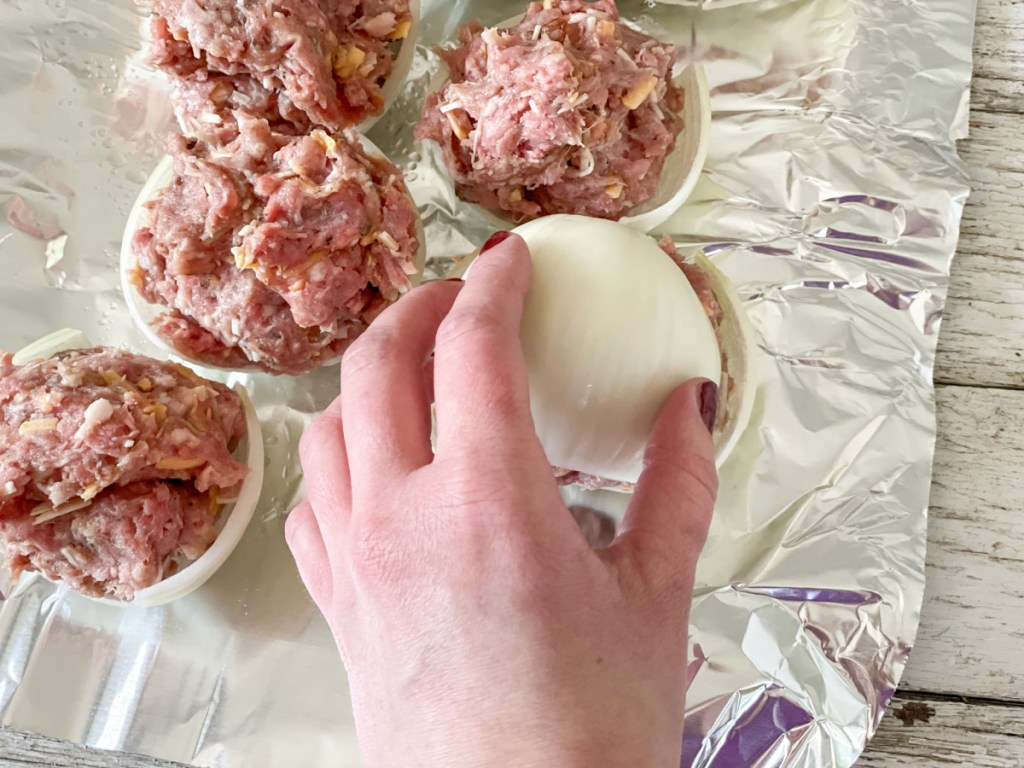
(971, 640)
(928, 733)
(982, 340)
(999, 57)
(25, 750)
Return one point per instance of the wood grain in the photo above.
(26, 750)
(925, 732)
(971, 640)
(999, 57)
(982, 339)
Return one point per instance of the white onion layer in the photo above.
(611, 327)
(43, 349)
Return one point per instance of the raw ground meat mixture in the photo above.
(111, 466)
(296, 63)
(279, 239)
(275, 250)
(570, 111)
(701, 284)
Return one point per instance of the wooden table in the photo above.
(962, 698)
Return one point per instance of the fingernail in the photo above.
(708, 404)
(453, 280)
(496, 239)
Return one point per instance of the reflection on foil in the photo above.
(768, 724)
(832, 196)
(38, 225)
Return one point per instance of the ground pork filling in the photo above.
(295, 63)
(701, 284)
(275, 250)
(113, 467)
(570, 111)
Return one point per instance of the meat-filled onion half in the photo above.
(129, 479)
(298, 65)
(569, 109)
(612, 324)
(272, 255)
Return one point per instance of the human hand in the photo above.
(476, 625)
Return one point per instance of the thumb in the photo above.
(668, 518)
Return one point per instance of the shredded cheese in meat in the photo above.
(36, 426)
(638, 94)
(388, 240)
(401, 31)
(44, 513)
(174, 464)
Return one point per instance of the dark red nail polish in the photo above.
(708, 402)
(496, 239)
(453, 280)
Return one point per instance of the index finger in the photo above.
(480, 383)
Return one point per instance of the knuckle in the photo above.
(377, 344)
(475, 323)
(696, 475)
(702, 476)
(504, 405)
(500, 396)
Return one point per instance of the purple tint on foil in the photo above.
(894, 298)
(888, 258)
(769, 250)
(838, 234)
(813, 595)
(751, 735)
(826, 285)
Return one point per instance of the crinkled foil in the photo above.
(832, 196)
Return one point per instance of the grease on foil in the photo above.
(832, 196)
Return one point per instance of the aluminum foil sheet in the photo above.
(832, 196)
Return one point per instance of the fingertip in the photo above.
(504, 253)
(324, 428)
(680, 454)
(496, 239)
(707, 402)
(305, 542)
(687, 417)
(298, 527)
